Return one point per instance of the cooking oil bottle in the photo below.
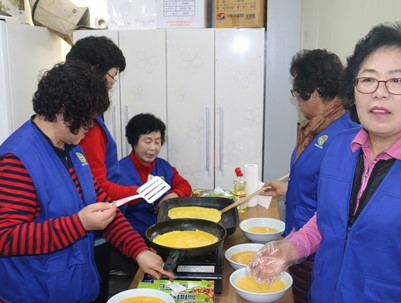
(239, 189)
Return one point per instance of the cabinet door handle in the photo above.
(221, 116)
(207, 139)
(123, 128)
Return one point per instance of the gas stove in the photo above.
(206, 267)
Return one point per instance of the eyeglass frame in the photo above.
(356, 81)
(112, 78)
(303, 94)
(85, 125)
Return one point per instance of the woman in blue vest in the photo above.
(355, 232)
(99, 146)
(316, 84)
(48, 209)
(146, 134)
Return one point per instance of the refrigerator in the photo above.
(25, 52)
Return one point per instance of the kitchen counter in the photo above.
(229, 295)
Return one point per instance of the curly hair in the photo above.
(142, 124)
(100, 52)
(380, 36)
(317, 70)
(74, 89)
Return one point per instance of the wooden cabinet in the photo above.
(207, 85)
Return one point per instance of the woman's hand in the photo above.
(275, 188)
(152, 264)
(271, 260)
(97, 216)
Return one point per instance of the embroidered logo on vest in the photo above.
(81, 158)
(321, 140)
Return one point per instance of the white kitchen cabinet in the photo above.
(191, 104)
(207, 85)
(239, 100)
(215, 102)
(143, 83)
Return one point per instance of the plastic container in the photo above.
(239, 189)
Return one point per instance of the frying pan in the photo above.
(229, 219)
(175, 254)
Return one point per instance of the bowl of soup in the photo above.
(239, 255)
(249, 289)
(141, 295)
(262, 230)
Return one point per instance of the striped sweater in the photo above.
(20, 235)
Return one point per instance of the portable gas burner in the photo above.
(205, 267)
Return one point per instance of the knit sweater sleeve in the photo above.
(121, 234)
(19, 206)
(21, 235)
(179, 185)
(307, 239)
(94, 146)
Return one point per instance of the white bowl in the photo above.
(126, 294)
(239, 248)
(259, 297)
(267, 222)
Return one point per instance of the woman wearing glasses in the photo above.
(48, 197)
(355, 232)
(316, 82)
(99, 146)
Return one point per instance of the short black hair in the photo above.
(317, 69)
(74, 89)
(100, 52)
(382, 35)
(142, 124)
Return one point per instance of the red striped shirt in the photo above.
(19, 206)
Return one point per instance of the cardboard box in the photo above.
(182, 291)
(239, 13)
(181, 14)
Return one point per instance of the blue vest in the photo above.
(68, 275)
(362, 265)
(142, 215)
(302, 189)
(113, 172)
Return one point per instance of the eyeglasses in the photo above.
(305, 96)
(113, 78)
(301, 95)
(87, 125)
(368, 85)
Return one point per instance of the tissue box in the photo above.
(239, 13)
(183, 291)
(181, 14)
